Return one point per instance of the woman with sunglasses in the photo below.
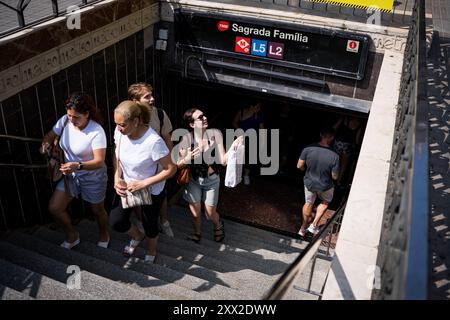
(203, 151)
(83, 141)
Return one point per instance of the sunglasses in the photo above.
(201, 117)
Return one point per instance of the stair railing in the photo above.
(287, 281)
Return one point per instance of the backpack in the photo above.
(161, 119)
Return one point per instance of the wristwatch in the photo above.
(80, 165)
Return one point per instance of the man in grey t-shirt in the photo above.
(322, 166)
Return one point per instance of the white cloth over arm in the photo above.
(233, 174)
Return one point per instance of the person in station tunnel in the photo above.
(349, 134)
(160, 122)
(202, 150)
(83, 141)
(247, 118)
(321, 163)
(143, 162)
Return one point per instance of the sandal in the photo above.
(129, 249)
(196, 237)
(219, 233)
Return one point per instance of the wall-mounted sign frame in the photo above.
(380, 5)
(291, 45)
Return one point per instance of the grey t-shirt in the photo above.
(321, 162)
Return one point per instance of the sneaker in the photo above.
(69, 245)
(103, 244)
(302, 231)
(313, 229)
(166, 229)
(149, 259)
(129, 249)
(246, 180)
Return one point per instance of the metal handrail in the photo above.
(26, 139)
(23, 4)
(285, 282)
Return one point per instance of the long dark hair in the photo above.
(82, 102)
(188, 119)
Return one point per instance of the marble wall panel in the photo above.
(140, 59)
(130, 52)
(9, 197)
(111, 84)
(60, 92)
(87, 75)
(122, 81)
(46, 104)
(74, 77)
(18, 75)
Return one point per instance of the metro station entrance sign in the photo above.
(309, 48)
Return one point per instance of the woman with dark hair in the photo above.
(203, 151)
(83, 141)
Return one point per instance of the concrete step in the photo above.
(114, 255)
(48, 244)
(242, 259)
(37, 286)
(180, 214)
(189, 259)
(12, 249)
(235, 280)
(11, 294)
(236, 243)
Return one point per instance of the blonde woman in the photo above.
(144, 162)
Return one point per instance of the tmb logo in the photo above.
(223, 25)
(242, 45)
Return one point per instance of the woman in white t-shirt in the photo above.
(144, 162)
(83, 141)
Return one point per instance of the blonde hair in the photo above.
(130, 110)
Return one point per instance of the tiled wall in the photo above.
(24, 193)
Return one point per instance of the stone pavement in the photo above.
(438, 64)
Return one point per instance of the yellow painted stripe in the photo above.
(380, 5)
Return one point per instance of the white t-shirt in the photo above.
(78, 145)
(138, 158)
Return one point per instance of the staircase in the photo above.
(244, 266)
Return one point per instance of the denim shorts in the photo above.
(327, 195)
(90, 184)
(203, 189)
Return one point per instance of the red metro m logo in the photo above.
(223, 25)
(242, 45)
